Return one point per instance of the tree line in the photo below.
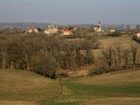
(42, 54)
(118, 58)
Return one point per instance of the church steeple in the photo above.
(99, 22)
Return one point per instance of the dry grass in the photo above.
(77, 72)
(114, 101)
(118, 88)
(121, 78)
(125, 42)
(24, 87)
(27, 88)
(111, 42)
(17, 103)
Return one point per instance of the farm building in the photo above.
(32, 30)
(67, 32)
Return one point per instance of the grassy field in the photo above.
(27, 88)
(118, 88)
(107, 41)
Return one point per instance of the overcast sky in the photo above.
(71, 11)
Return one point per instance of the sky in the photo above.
(71, 11)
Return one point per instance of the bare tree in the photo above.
(108, 57)
(134, 51)
(118, 50)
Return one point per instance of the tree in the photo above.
(126, 57)
(89, 58)
(43, 63)
(118, 55)
(134, 51)
(108, 57)
(15, 55)
(79, 60)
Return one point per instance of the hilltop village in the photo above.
(98, 29)
(67, 30)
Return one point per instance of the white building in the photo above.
(138, 35)
(98, 27)
(52, 29)
(32, 30)
(111, 29)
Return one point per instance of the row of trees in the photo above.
(42, 54)
(118, 58)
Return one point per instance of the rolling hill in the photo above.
(118, 88)
(25, 88)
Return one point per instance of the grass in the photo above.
(106, 91)
(60, 103)
(27, 88)
(24, 87)
(17, 103)
(112, 41)
(100, 37)
(121, 87)
(121, 82)
(129, 77)
(108, 41)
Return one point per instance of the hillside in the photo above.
(107, 42)
(114, 78)
(118, 88)
(25, 88)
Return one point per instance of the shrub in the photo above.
(115, 34)
(45, 72)
(99, 70)
(89, 59)
(136, 38)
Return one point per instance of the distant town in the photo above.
(66, 30)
